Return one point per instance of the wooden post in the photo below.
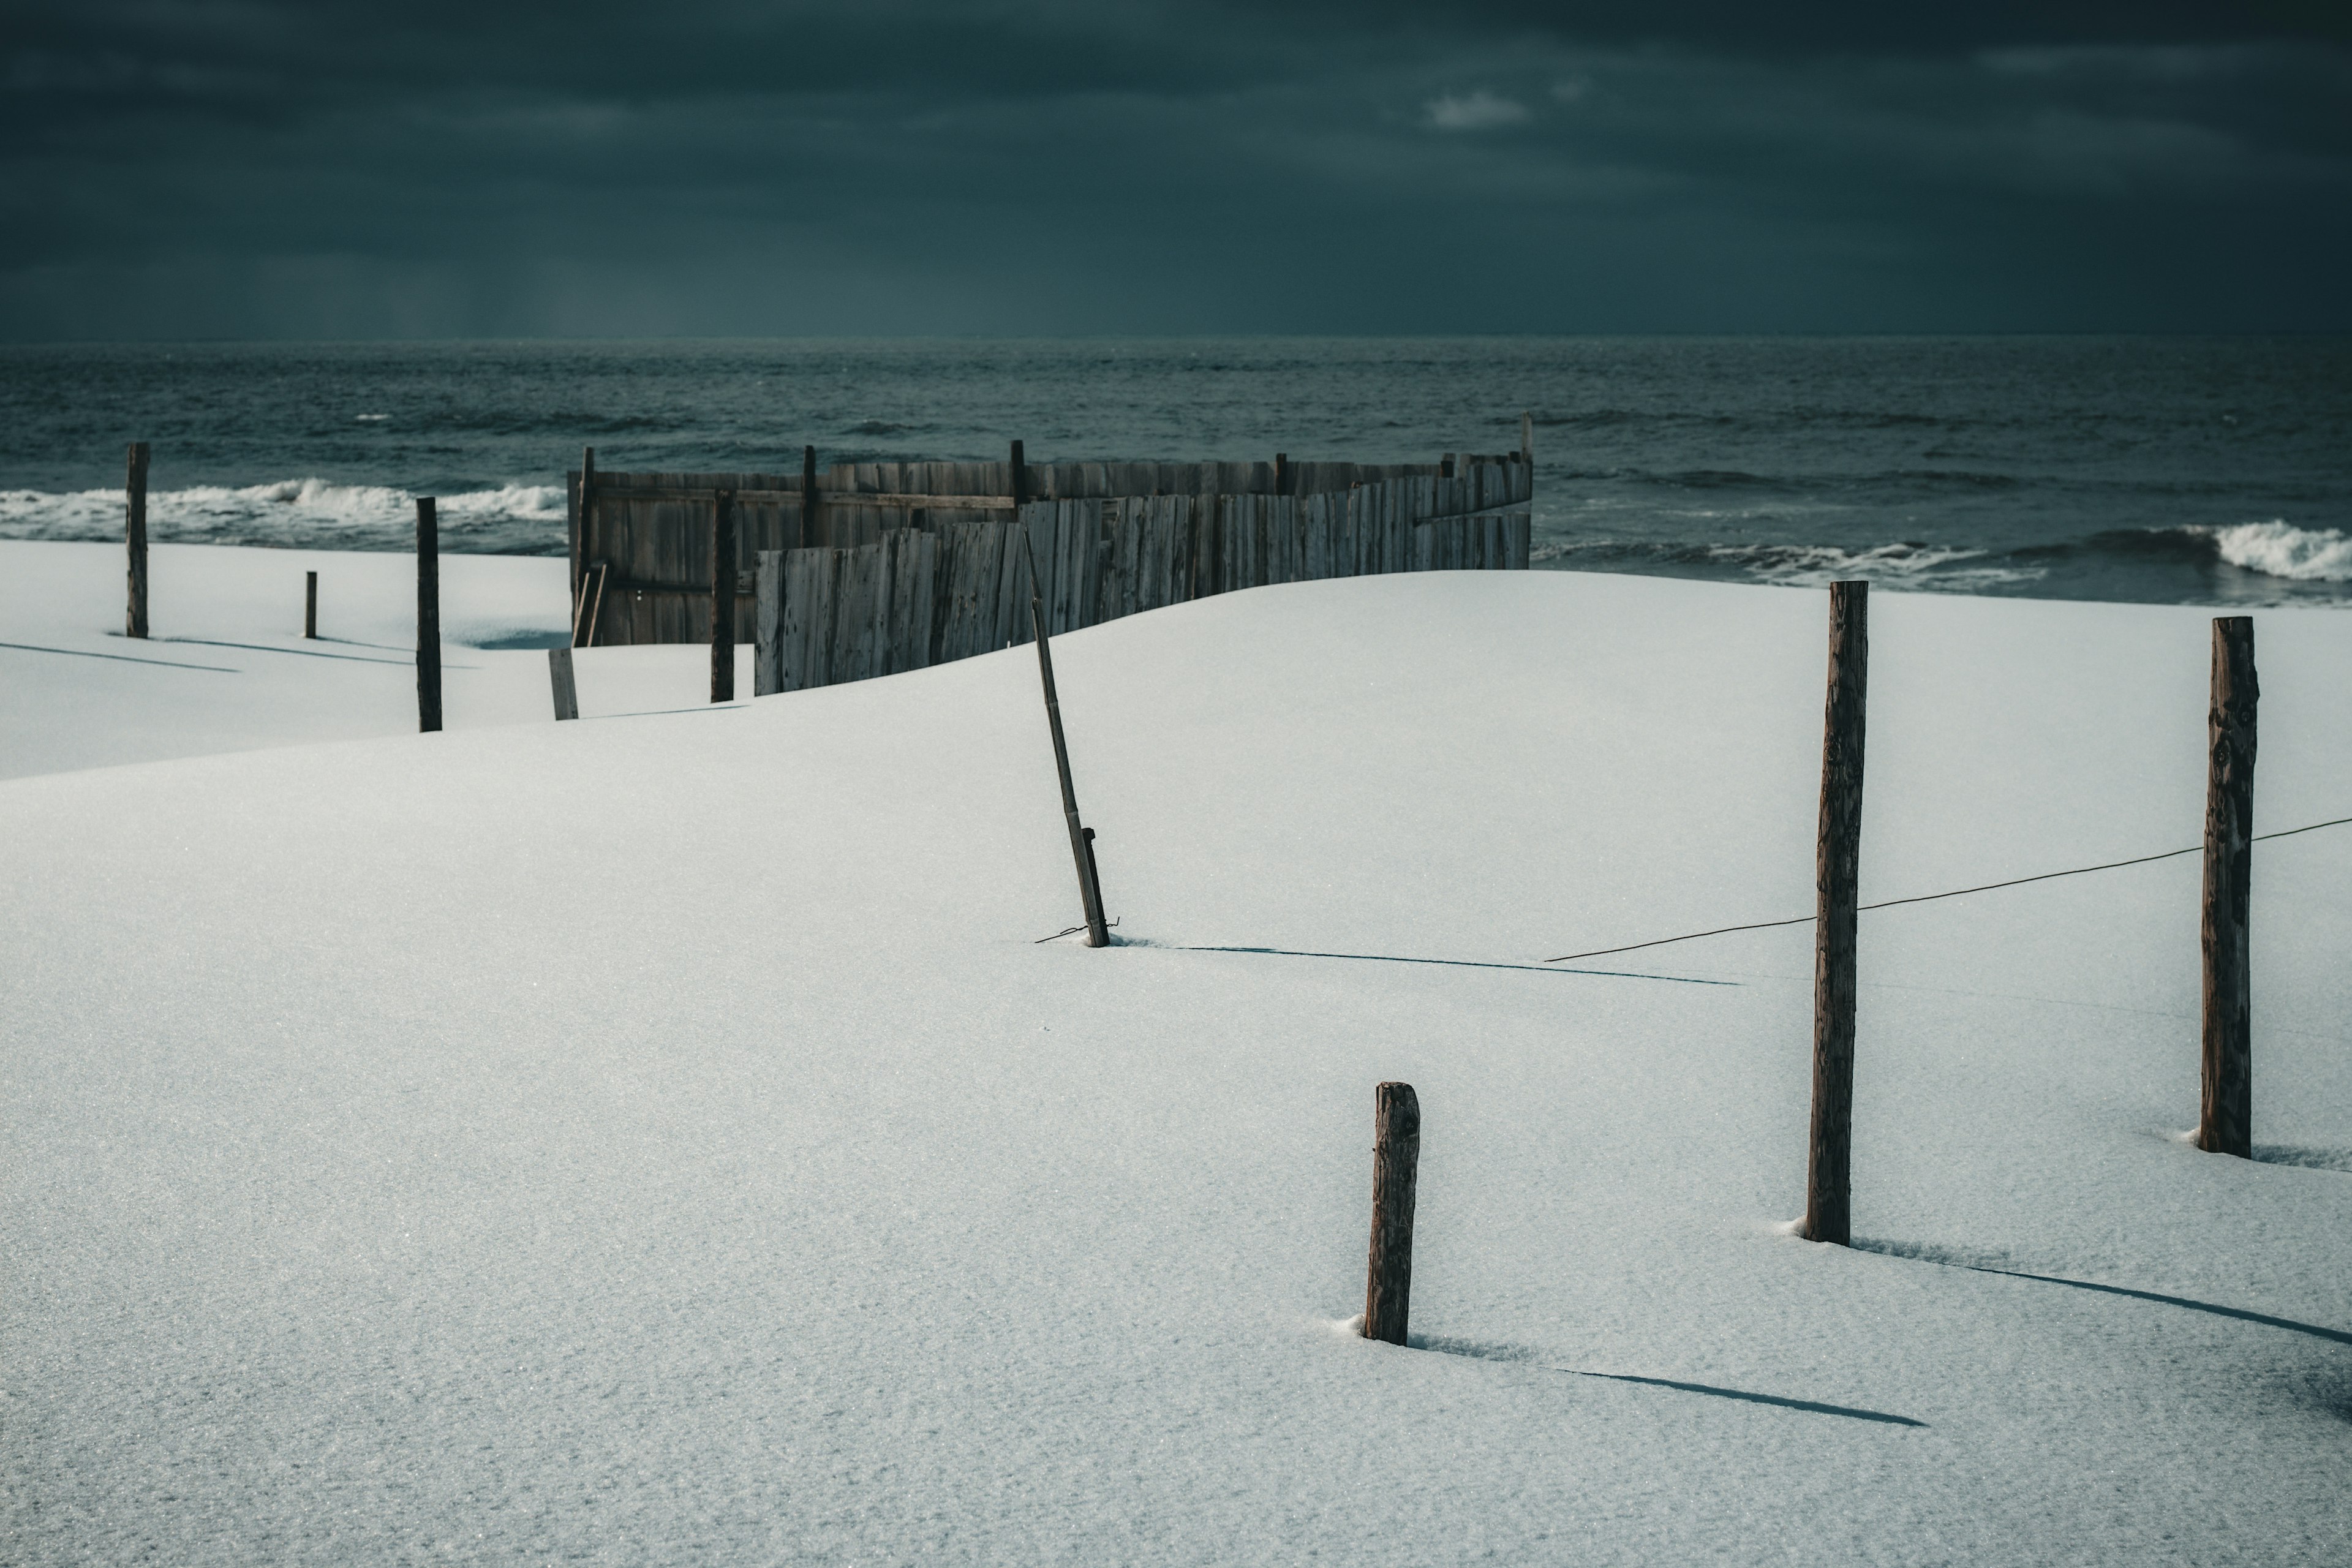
(1836, 875)
(1282, 473)
(809, 535)
(1396, 1158)
(1527, 437)
(722, 596)
(768, 626)
(559, 675)
(580, 534)
(1445, 466)
(1082, 847)
(310, 606)
(428, 616)
(134, 536)
(2225, 1124)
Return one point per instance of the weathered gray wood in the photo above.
(1396, 1162)
(428, 616)
(808, 633)
(559, 675)
(583, 512)
(1837, 877)
(768, 625)
(811, 523)
(1527, 437)
(2225, 1123)
(134, 538)
(1081, 841)
(310, 606)
(722, 597)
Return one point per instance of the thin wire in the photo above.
(1930, 898)
(1069, 931)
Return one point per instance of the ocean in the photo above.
(2175, 470)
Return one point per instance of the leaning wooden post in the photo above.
(722, 596)
(1829, 1210)
(2225, 1124)
(808, 497)
(559, 677)
(134, 537)
(310, 606)
(1527, 437)
(1396, 1158)
(583, 615)
(428, 616)
(1082, 847)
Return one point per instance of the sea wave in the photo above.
(2279, 549)
(305, 513)
(1903, 563)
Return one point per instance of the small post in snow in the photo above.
(134, 538)
(310, 606)
(559, 675)
(2225, 1123)
(1082, 837)
(1836, 875)
(1396, 1160)
(428, 616)
(722, 596)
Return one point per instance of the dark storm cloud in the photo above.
(177, 169)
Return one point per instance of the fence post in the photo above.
(1082, 846)
(722, 596)
(580, 535)
(428, 616)
(808, 497)
(1396, 1159)
(1282, 473)
(1527, 437)
(2225, 1124)
(135, 538)
(310, 606)
(767, 626)
(559, 675)
(1829, 1214)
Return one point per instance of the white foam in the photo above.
(2279, 549)
(305, 511)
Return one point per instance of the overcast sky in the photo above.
(434, 168)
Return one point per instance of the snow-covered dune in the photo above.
(663, 1138)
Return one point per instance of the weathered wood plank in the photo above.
(2225, 1123)
(1396, 1160)
(428, 616)
(559, 676)
(1837, 875)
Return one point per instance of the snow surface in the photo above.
(662, 1139)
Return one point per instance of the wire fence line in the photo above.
(1930, 898)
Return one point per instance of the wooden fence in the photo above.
(874, 577)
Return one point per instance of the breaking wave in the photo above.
(310, 513)
(2279, 549)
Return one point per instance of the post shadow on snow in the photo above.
(302, 652)
(1444, 1344)
(2308, 1157)
(121, 657)
(1924, 1255)
(512, 640)
(1462, 963)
